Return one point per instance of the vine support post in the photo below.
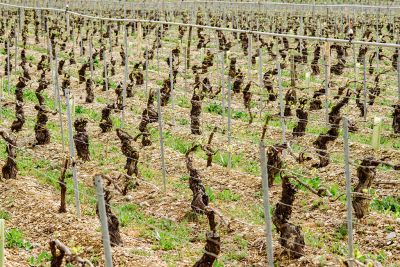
(398, 73)
(160, 130)
(157, 55)
(105, 69)
(147, 71)
(365, 89)
(260, 77)
(349, 205)
(91, 60)
(355, 67)
(16, 53)
(376, 133)
(327, 93)
(185, 65)
(72, 155)
(2, 242)
(229, 124)
(110, 39)
(266, 204)
(103, 220)
(57, 103)
(378, 39)
(8, 68)
(281, 105)
(125, 74)
(20, 19)
(250, 51)
(223, 83)
(171, 79)
(260, 66)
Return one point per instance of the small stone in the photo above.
(391, 235)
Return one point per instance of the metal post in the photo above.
(125, 76)
(103, 220)
(265, 190)
(171, 78)
(398, 73)
(281, 105)
(365, 88)
(57, 103)
(348, 189)
(8, 67)
(223, 83)
(105, 69)
(20, 19)
(326, 87)
(147, 72)
(377, 40)
(229, 123)
(110, 39)
(16, 53)
(250, 51)
(91, 60)
(185, 64)
(72, 155)
(2, 242)
(260, 78)
(160, 129)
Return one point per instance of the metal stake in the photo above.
(265, 190)
(72, 155)
(160, 129)
(57, 103)
(281, 105)
(171, 77)
(348, 190)
(229, 123)
(103, 220)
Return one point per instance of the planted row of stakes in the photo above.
(55, 31)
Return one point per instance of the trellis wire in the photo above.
(160, 113)
(292, 36)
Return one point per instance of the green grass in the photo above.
(388, 204)
(4, 215)
(40, 260)
(227, 195)
(15, 239)
(165, 234)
